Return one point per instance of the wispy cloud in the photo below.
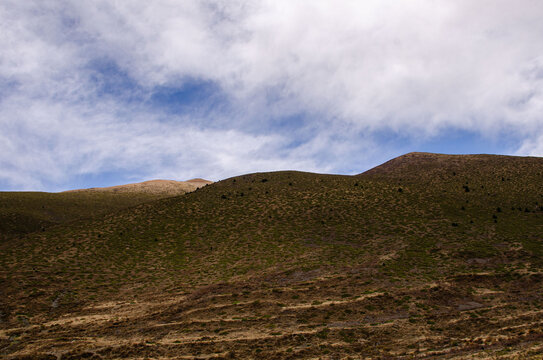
(213, 89)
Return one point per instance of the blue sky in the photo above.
(101, 93)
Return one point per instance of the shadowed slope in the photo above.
(26, 212)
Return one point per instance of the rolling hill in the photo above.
(425, 256)
(163, 188)
(26, 212)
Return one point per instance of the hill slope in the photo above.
(26, 212)
(162, 188)
(425, 256)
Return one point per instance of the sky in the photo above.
(100, 93)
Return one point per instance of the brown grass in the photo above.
(166, 187)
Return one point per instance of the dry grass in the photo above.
(159, 187)
(291, 265)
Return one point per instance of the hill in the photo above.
(162, 188)
(26, 212)
(424, 256)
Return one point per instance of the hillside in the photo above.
(26, 212)
(424, 256)
(162, 188)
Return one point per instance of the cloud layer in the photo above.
(213, 88)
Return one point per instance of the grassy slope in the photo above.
(492, 203)
(26, 212)
(395, 255)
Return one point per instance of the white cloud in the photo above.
(419, 64)
(414, 68)
(532, 146)
(50, 142)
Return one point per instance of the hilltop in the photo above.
(419, 164)
(158, 187)
(424, 256)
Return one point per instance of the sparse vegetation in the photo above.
(301, 266)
